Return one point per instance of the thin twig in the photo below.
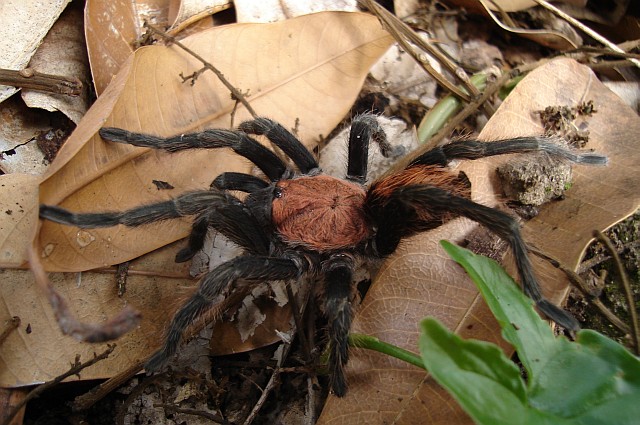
(591, 33)
(12, 325)
(34, 80)
(76, 368)
(235, 93)
(626, 287)
(88, 399)
(403, 34)
(273, 381)
(580, 284)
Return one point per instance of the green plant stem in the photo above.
(436, 118)
(373, 343)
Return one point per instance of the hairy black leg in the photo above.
(211, 287)
(242, 144)
(283, 138)
(337, 309)
(473, 149)
(239, 181)
(429, 198)
(190, 203)
(364, 128)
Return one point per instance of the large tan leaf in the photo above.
(306, 72)
(419, 280)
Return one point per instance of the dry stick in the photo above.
(584, 28)
(273, 381)
(75, 370)
(135, 393)
(626, 286)
(580, 284)
(30, 79)
(399, 30)
(489, 91)
(88, 399)
(235, 93)
(12, 325)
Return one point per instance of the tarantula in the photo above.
(298, 222)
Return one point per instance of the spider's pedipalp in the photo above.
(242, 144)
(364, 129)
(239, 181)
(474, 149)
(282, 138)
(429, 198)
(338, 293)
(212, 285)
(190, 203)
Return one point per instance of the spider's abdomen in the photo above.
(320, 212)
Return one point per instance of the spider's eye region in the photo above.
(278, 192)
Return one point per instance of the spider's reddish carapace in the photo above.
(301, 221)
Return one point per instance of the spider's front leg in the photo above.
(239, 141)
(254, 269)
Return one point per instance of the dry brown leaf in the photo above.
(547, 37)
(23, 25)
(112, 28)
(419, 280)
(183, 13)
(62, 53)
(304, 72)
(37, 351)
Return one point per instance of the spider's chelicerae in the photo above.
(302, 221)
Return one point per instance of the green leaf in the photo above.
(592, 381)
(521, 325)
(471, 358)
(481, 378)
(592, 376)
